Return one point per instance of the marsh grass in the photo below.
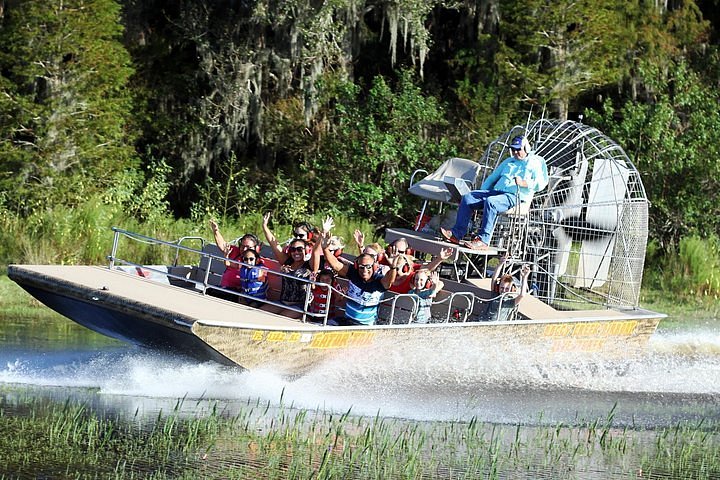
(68, 440)
(61, 235)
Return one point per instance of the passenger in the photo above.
(293, 262)
(502, 305)
(408, 267)
(231, 276)
(399, 246)
(304, 231)
(253, 279)
(518, 176)
(365, 288)
(335, 245)
(321, 293)
(427, 284)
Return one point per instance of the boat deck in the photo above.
(101, 284)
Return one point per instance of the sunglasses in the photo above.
(297, 249)
(515, 150)
(249, 259)
(365, 266)
(300, 234)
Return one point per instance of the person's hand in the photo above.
(214, 226)
(266, 219)
(435, 277)
(328, 224)
(446, 253)
(398, 260)
(359, 238)
(325, 240)
(525, 270)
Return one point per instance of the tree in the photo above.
(552, 51)
(64, 105)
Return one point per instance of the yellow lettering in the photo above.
(258, 335)
(275, 336)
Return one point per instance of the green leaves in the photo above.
(65, 114)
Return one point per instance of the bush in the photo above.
(691, 272)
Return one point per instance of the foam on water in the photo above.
(419, 384)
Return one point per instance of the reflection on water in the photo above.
(678, 379)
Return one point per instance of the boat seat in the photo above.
(455, 177)
(274, 281)
(216, 267)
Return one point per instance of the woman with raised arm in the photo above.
(292, 262)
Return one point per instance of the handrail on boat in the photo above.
(204, 285)
(469, 297)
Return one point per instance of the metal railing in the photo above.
(203, 284)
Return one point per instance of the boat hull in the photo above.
(296, 351)
(140, 310)
(115, 316)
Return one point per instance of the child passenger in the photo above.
(427, 284)
(253, 278)
(322, 299)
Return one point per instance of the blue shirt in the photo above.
(424, 303)
(532, 169)
(363, 297)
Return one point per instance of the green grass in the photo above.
(70, 441)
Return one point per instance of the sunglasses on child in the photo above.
(249, 259)
(300, 234)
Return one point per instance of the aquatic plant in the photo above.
(266, 441)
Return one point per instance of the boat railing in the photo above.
(184, 239)
(460, 305)
(398, 305)
(204, 285)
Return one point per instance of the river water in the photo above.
(677, 379)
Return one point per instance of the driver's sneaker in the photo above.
(476, 244)
(448, 236)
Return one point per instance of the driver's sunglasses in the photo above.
(515, 150)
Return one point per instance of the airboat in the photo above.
(584, 235)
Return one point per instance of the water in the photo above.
(678, 379)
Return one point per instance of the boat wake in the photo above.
(678, 372)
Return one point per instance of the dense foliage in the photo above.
(227, 108)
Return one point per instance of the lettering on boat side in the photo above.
(318, 340)
(578, 344)
(342, 339)
(602, 330)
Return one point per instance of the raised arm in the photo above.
(389, 278)
(445, 253)
(219, 240)
(524, 274)
(317, 250)
(437, 284)
(337, 265)
(498, 271)
(278, 252)
(359, 240)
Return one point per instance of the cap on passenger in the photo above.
(517, 142)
